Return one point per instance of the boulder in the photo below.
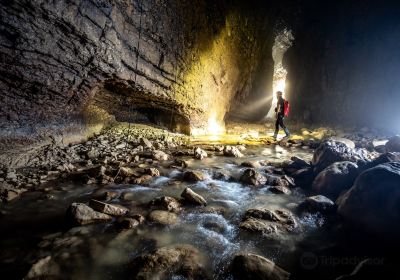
(317, 203)
(199, 153)
(303, 178)
(81, 214)
(330, 152)
(45, 268)
(279, 190)
(126, 172)
(251, 164)
(126, 223)
(160, 155)
(221, 175)
(374, 201)
(393, 145)
(166, 203)
(231, 151)
(345, 141)
(194, 176)
(164, 218)
(106, 208)
(142, 180)
(269, 222)
(251, 266)
(384, 158)
(154, 172)
(145, 143)
(294, 165)
(193, 198)
(253, 177)
(169, 263)
(335, 179)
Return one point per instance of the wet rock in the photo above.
(126, 172)
(142, 180)
(106, 208)
(92, 154)
(251, 266)
(126, 223)
(180, 163)
(295, 165)
(219, 210)
(168, 262)
(279, 190)
(166, 203)
(289, 180)
(160, 155)
(231, 151)
(251, 164)
(343, 140)
(393, 145)
(221, 175)
(164, 218)
(145, 143)
(269, 222)
(304, 178)
(81, 214)
(199, 153)
(384, 158)
(9, 193)
(109, 195)
(193, 198)
(194, 176)
(277, 181)
(317, 203)
(96, 171)
(253, 177)
(330, 152)
(335, 179)
(154, 172)
(373, 202)
(44, 268)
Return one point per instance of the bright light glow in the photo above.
(283, 41)
(214, 127)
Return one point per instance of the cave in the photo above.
(199, 139)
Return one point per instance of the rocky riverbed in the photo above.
(144, 203)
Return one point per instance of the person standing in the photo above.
(280, 115)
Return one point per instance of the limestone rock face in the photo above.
(72, 65)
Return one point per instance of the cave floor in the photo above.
(34, 225)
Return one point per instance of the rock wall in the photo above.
(343, 66)
(67, 66)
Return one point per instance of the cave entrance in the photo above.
(283, 41)
(127, 103)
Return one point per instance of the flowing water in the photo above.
(34, 227)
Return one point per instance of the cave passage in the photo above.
(143, 139)
(127, 104)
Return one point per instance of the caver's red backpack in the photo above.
(286, 108)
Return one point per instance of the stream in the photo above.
(33, 226)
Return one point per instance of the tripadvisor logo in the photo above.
(310, 261)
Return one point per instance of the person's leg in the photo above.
(284, 128)
(276, 128)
